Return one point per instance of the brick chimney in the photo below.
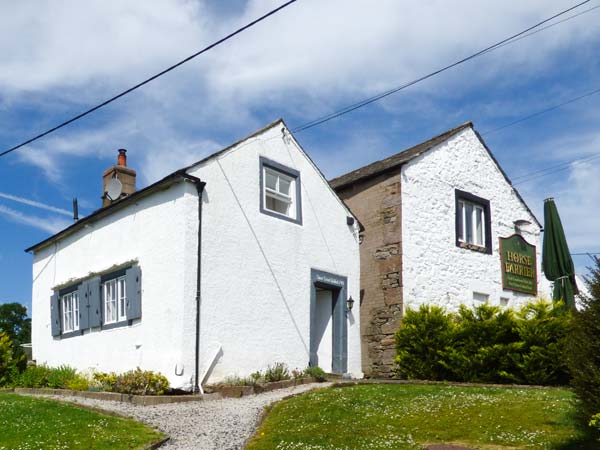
(121, 172)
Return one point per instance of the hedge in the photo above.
(485, 344)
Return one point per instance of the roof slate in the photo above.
(396, 160)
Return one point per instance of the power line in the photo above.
(543, 111)
(585, 254)
(154, 77)
(549, 26)
(553, 169)
(387, 93)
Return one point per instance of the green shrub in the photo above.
(485, 344)
(277, 372)
(316, 372)
(34, 377)
(9, 361)
(78, 383)
(422, 342)
(59, 377)
(584, 347)
(141, 382)
(543, 330)
(103, 381)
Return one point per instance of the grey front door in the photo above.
(328, 325)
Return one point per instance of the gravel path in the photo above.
(223, 424)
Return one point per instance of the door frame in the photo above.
(338, 285)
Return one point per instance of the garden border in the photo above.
(233, 391)
(141, 400)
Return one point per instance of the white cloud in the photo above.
(49, 224)
(311, 58)
(35, 204)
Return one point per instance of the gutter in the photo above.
(200, 188)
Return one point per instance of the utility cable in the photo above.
(148, 80)
(538, 113)
(387, 93)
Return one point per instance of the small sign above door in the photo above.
(519, 265)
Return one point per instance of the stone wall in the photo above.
(377, 204)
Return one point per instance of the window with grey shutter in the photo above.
(133, 277)
(54, 315)
(84, 306)
(94, 302)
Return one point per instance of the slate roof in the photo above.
(396, 160)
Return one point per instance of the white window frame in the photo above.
(277, 194)
(117, 287)
(70, 311)
(476, 238)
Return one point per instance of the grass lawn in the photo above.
(33, 423)
(409, 416)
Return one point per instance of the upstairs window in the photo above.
(473, 222)
(471, 227)
(280, 191)
(114, 294)
(70, 312)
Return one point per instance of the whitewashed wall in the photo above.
(435, 270)
(258, 313)
(154, 231)
(256, 268)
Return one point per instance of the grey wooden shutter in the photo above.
(133, 281)
(54, 315)
(95, 302)
(84, 305)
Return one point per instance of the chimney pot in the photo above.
(122, 159)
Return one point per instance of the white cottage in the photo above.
(241, 260)
(444, 226)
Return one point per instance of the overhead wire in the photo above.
(148, 80)
(389, 92)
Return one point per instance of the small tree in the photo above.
(9, 362)
(584, 347)
(15, 323)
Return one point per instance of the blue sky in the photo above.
(315, 57)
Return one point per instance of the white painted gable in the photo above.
(435, 270)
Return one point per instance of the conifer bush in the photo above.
(584, 347)
(485, 344)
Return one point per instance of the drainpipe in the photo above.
(200, 188)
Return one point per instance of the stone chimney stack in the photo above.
(125, 176)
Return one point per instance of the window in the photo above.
(280, 191)
(473, 222)
(115, 300)
(70, 312)
(481, 297)
(277, 192)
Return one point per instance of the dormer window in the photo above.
(280, 191)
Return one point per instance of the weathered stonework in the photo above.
(377, 204)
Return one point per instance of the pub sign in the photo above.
(519, 265)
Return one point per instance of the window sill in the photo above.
(110, 326)
(473, 247)
(70, 334)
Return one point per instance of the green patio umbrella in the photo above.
(556, 258)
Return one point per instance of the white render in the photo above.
(435, 270)
(255, 272)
